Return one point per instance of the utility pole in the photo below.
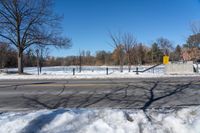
(80, 61)
(37, 52)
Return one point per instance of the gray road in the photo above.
(18, 95)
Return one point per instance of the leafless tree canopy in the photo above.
(195, 27)
(117, 42)
(32, 21)
(165, 45)
(194, 41)
(124, 45)
(27, 22)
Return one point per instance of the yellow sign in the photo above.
(165, 60)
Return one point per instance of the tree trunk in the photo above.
(121, 64)
(20, 61)
(80, 64)
(129, 64)
(121, 68)
(129, 67)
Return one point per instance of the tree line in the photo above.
(127, 51)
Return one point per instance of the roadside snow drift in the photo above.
(102, 121)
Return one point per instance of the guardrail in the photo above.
(141, 71)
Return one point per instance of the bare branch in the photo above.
(12, 41)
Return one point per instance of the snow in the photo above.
(186, 120)
(88, 72)
(66, 70)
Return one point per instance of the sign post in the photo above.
(37, 51)
(165, 60)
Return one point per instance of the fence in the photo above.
(106, 70)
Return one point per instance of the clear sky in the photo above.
(88, 22)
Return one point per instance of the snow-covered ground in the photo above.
(101, 121)
(63, 72)
(68, 70)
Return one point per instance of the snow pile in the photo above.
(86, 76)
(101, 121)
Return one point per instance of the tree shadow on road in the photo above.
(151, 97)
(117, 96)
(24, 84)
(121, 97)
(36, 102)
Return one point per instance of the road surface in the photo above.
(141, 93)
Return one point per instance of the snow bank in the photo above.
(101, 121)
(87, 76)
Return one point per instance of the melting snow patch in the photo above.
(101, 121)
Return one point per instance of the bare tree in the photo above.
(195, 27)
(117, 42)
(24, 23)
(129, 42)
(165, 45)
(194, 39)
(124, 46)
(43, 53)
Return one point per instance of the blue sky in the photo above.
(88, 22)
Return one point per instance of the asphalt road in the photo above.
(19, 95)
